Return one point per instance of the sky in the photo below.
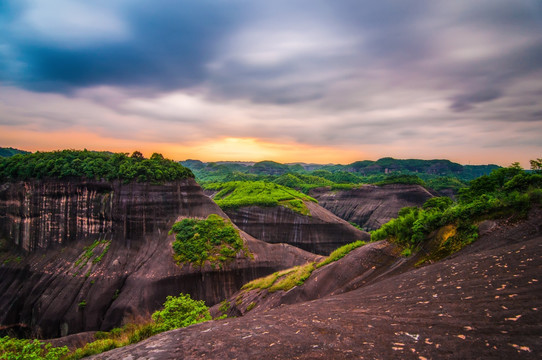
(297, 80)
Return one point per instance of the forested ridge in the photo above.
(92, 165)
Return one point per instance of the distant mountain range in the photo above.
(7, 152)
(387, 165)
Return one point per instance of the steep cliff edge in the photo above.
(371, 206)
(38, 215)
(83, 255)
(321, 232)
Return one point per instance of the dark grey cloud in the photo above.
(342, 72)
(467, 101)
(165, 46)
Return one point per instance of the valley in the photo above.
(84, 255)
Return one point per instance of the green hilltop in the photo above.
(92, 165)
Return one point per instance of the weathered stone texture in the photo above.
(47, 225)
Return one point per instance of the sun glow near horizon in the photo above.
(253, 149)
(236, 148)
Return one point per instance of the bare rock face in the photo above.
(80, 256)
(364, 265)
(481, 303)
(320, 233)
(37, 215)
(371, 206)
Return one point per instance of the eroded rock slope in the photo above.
(483, 302)
(371, 206)
(321, 232)
(79, 255)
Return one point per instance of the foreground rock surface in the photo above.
(371, 206)
(320, 233)
(483, 302)
(50, 288)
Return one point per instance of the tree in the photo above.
(536, 165)
(137, 155)
(181, 311)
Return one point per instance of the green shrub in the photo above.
(406, 252)
(178, 311)
(439, 203)
(504, 192)
(181, 311)
(23, 349)
(213, 239)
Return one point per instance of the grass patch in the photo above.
(15, 259)
(340, 253)
(224, 306)
(296, 276)
(406, 252)
(213, 239)
(15, 349)
(88, 253)
(236, 194)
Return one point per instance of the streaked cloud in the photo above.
(460, 80)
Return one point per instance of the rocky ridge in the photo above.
(482, 302)
(371, 206)
(321, 232)
(89, 255)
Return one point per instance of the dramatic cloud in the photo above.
(460, 79)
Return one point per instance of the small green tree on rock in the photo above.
(180, 311)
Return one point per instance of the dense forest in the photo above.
(91, 165)
(435, 174)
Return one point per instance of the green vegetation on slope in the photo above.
(237, 194)
(92, 165)
(302, 182)
(402, 179)
(179, 311)
(340, 253)
(213, 239)
(296, 276)
(24, 349)
(283, 280)
(506, 191)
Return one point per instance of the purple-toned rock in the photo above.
(321, 232)
(88, 255)
(371, 206)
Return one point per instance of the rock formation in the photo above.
(483, 302)
(87, 255)
(371, 206)
(321, 232)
